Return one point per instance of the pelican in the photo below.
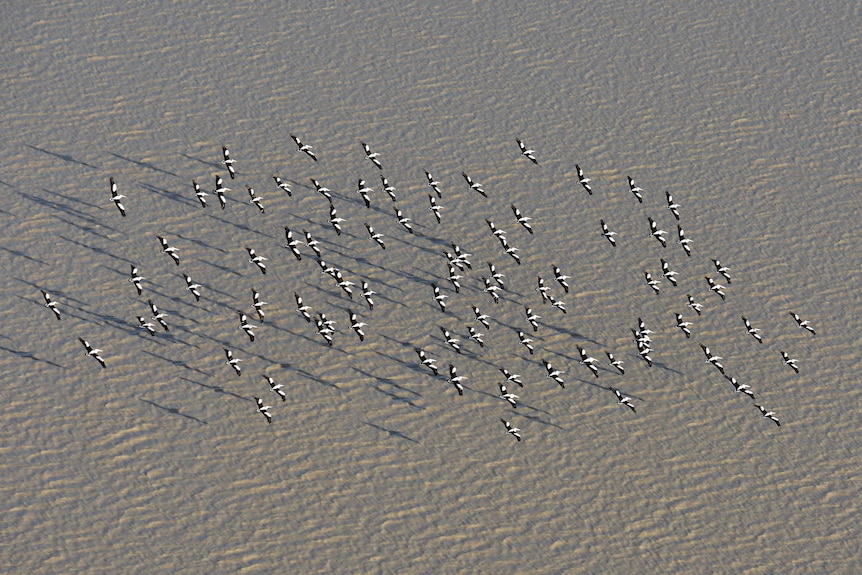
(228, 162)
(367, 293)
(363, 190)
(357, 325)
(561, 279)
(200, 194)
(323, 191)
(220, 191)
(740, 387)
(144, 324)
(435, 208)
(257, 304)
(135, 279)
(531, 317)
(513, 377)
(615, 362)
(404, 221)
(714, 287)
(654, 284)
(371, 156)
(513, 431)
(456, 379)
(389, 189)
(116, 198)
(171, 251)
(426, 361)
(672, 206)
(303, 147)
(256, 260)
(157, 315)
(694, 305)
(311, 242)
(623, 400)
(713, 359)
(439, 297)
(527, 153)
(636, 190)
(590, 362)
(50, 304)
(768, 415)
(474, 186)
(282, 185)
(608, 234)
(452, 341)
(583, 180)
(193, 287)
(683, 241)
(433, 184)
(790, 361)
(376, 236)
(510, 397)
(554, 373)
(491, 289)
(803, 323)
(276, 387)
(752, 330)
(523, 220)
(722, 269)
(656, 232)
(683, 325)
(92, 351)
(525, 341)
(542, 289)
(246, 327)
(255, 199)
(335, 220)
(481, 317)
(264, 409)
(668, 273)
(292, 243)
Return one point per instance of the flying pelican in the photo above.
(220, 191)
(303, 147)
(523, 220)
(694, 305)
(157, 315)
(433, 184)
(245, 326)
(790, 361)
(426, 361)
(583, 180)
(50, 304)
(282, 184)
(116, 198)
(171, 251)
(256, 260)
(200, 194)
(255, 199)
(257, 304)
(276, 387)
(193, 287)
(228, 162)
(513, 431)
(389, 189)
(803, 323)
(456, 379)
(714, 287)
(264, 409)
(683, 325)
(92, 351)
(636, 190)
(473, 185)
(617, 363)
(673, 207)
(135, 279)
(527, 153)
(624, 400)
(371, 156)
(752, 330)
(510, 397)
(768, 415)
(656, 232)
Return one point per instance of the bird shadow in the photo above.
(391, 432)
(214, 165)
(143, 164)
(176, 196)
(174, 411)
(64, 157)
(216, 388)
(30, 355)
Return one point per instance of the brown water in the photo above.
(749, 114)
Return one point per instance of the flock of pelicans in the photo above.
(457, 261)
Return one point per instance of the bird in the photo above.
(434, 207)
(433, 184)
(713, 359)
(673, 207)
(246, 327)
(656, 232)
(636, 190)
(454, 277)
(200, 194)
(654, 284)
(157, 315)
(561, 279)
(439, 297)
(790, 361)
(371, 156)
(461, 256)
(456, 379)
(367, 293)
(276, 387)
(193, 287)
(803, 323)
(344, 284)
(624, 400)
(264, 409)
(474, 186)
(510, 397)
(171, 251)
(740, 387)
(303, 147)
(694, 305)
(583, 180)
(255, 199)
(144, 324)
(282, 185)
(256, 260)
(481, 318)
(513, 431)
(476, 336)
(335, 220)
(93, 352)
(220, 191)
(532, 317)
(257, 304)
(232, 361)
(404, 221)
(559, 304)
(323, 191)
(714, 287)
(513, 377)
(357, 325)
(51, 304)
(389, 189)
(617, 363)
(497, 233)
(376, 236)
(608, 234)
(324, 327)
(512, 251)
(363, 190)
(768, 414)
(554, 373)
(752, 330)
(590, 362)
(683, 325)
(523, 220)
(116, 198)
(135, 279)
(527, 153)
(525, 341)
(452, 341)
(426, 361)
(228, 162)
(722, 269)
(292, 243)
(311, 242)
(491, 289)
(683, 241)
(542, 289)
(668, 273)
(302, 309)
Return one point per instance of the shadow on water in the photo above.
(144, 164)
(391, 432)
(174, 411)
(64, 157)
